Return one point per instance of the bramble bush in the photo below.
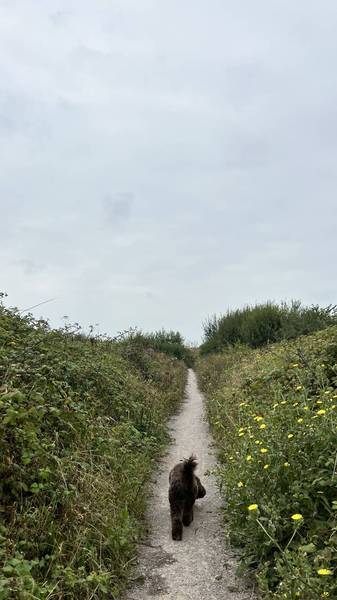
(273, 412)
(80, 429)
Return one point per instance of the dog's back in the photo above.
(183, 472)
(184, 489)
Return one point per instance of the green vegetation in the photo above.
(171, 343)
(81, 424)
(274, 416)
(265, 323)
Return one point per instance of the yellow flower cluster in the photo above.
(245, 431)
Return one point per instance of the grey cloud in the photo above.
(28, 267)
(117, 207)
(59, 17)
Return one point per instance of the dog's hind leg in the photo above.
(177, 524)
(188, 514)
(176, 498)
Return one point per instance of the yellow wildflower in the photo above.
(298, 388)
(283, 402)
(242, 429)
(290, 435)
(253, 507)
(321, 412)
(264, 450)
(295, 404)
(319, 402)
(295, 365)
(266, 466)
(240, 484)
(305, 407)
(297, 517)
(286, 464)
(324, 572)
(300, 420)
(241, 433)
(263, 426)
(249, 458)
(258, 418)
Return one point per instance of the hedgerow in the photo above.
(80, 428)
(274, 417)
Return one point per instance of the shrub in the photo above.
(170, 343)
(80, 428)
(266, 323)
(274, 417)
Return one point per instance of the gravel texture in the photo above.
(201, 566)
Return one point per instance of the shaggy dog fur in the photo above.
(185, 488)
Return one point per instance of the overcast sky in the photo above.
(164, 160)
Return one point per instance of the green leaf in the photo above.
(308, 548)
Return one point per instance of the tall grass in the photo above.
(266, 323)
(81, 424)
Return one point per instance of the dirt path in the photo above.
(200, 567)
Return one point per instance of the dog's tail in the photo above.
(189, 466)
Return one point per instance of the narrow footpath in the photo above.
(201, 567)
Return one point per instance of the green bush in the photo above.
(263, 324)
(274, 418)
(80, 429)
(171, 343)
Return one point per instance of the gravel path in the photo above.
(200, 567)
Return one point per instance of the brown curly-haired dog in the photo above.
(185, 488)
